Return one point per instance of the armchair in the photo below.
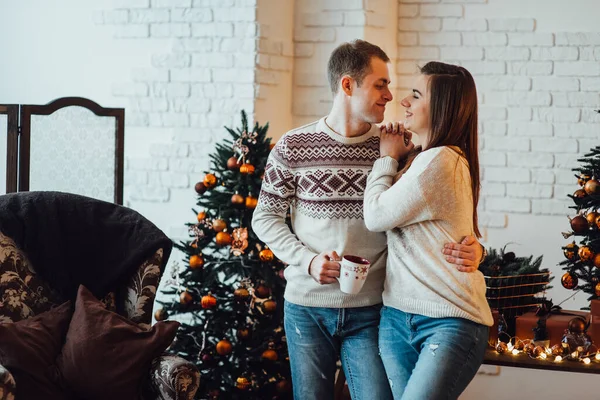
(51, 242)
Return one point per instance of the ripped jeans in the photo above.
(317, 337)
(429, 358)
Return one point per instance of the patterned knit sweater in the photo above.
(320, 177)
(431, 204)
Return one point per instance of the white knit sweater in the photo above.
(431, 204)
(320, 177)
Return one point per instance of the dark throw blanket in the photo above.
(72, 239)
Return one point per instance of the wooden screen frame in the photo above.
(25, 138)
(12, 145)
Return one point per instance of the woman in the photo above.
(434, 324)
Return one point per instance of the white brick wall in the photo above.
(537, 91)
(185, 94)
(537, 88)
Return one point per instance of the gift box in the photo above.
(594, 329)
(556, 324)
(493, 335)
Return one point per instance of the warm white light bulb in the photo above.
(543, 356)
(587, 360)
(597, 356)
(558, 359)
(515, 352)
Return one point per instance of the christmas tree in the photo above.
(229, 294)
(583, 259)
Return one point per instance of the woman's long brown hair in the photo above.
(453, 117)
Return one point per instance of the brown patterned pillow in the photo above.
(22, 293)
(137, 299)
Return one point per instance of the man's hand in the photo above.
(466, 254)
(325, 267)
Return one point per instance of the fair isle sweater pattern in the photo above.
(322, 177)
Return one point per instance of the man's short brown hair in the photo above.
(353, 59)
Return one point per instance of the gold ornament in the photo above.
(232, 164)
(592, 187)
(570, 251)
(201, 216)
(240, 241)
(223, 239)
(583, 178)
(247, 169)
(598, 222)
(196, 261)
(270, 306)
(266, 255)
(185, 297)
(501, 347)
(219, 225)
(224, 347)
(569, 281)
(597, 260)
(519, 345)
(557, 350)
(210, 181)
(585, 253)
(537, 351)
(161, 314)
(251, 202)
(237, 199)
(208, 301)
(242, 383)
(241, 293)
(597, 289)
(528, 349)
(270, 355)
(592, 217)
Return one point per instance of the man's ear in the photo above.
(347, 83)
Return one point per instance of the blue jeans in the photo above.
(317, 337)
(429, 358)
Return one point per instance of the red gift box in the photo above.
(556, 324)
(493, 335)
(594, 329)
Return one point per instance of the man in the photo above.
(320, 171)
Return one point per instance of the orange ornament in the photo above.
(242, 383)
(241, 293)
(219, 225)
(283, 386)
(251, 202)
(270, 355)
(208, 301)
(243, 333)
(224, 347)
(161, 314)
(185, 297)
(592, 218)
(201, 216)
(585, 254)
(266, 255)
(196, 261)
(597, 260)
(247, 169)
(223, 239)
(270, 306)
(237, 199)
(210, 181)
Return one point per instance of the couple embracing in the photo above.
(418, 327)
